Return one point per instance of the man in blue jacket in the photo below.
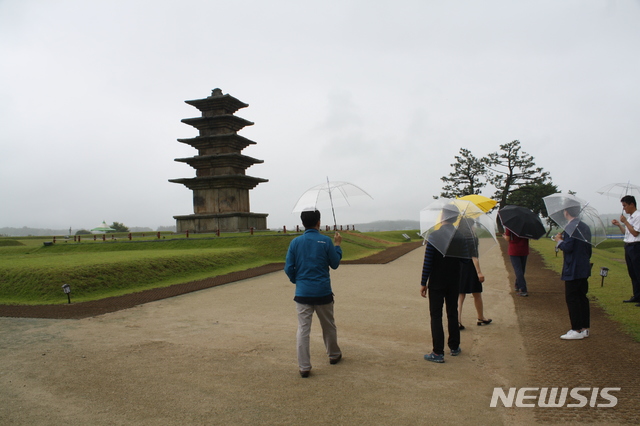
(576, 269)
(307, 265)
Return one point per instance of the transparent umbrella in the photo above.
(329, 194)
(619, 190)
(457, 228)
(556, 204)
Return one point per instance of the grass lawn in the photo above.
(32, 273)
(617, 285)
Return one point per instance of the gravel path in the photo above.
(226, 355)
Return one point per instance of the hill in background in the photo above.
(388, 225)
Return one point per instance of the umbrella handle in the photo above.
(335, 225)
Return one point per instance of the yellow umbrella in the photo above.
(466, 208)
(476, 226)
(484, 203)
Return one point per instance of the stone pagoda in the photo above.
(221, 187)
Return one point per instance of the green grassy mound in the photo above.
(31, 273)
(10, 243)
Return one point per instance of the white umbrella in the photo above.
(329, 194)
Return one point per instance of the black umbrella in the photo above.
(522, 222)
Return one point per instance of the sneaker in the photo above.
(572, 335)
(456, 352)
(434, 357)
(523, 293)
(585, 332)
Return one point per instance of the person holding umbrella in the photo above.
(307, 265)
(520, 225)
(471, 277)
(441, 280)
(576, 269)
(518, 252)
(631, 231)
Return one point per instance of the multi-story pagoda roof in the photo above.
(217, 104)
(221, 124)
(218, 161)
(229, 142)
(224, 181)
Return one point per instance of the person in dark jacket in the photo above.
(307, 265)
(441, 279)
(576, 269)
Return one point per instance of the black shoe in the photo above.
(481, 322)
(334, 361)
(304, 374)
(460, 326)
(638, 305)
(632, 300)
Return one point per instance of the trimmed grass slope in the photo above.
(32, 274)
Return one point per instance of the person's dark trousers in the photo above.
(578, 303)
(632, 257)
(519, 264)
(449, 298)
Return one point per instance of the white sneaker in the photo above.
(585, 332)
(572, 335)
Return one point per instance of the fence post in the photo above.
(187, 233)
(129, 236)
(284, 229)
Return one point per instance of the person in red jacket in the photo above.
(518, 252)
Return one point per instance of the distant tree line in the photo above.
(28, 232)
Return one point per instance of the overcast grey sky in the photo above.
(382, 94)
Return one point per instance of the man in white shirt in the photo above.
(631, 228)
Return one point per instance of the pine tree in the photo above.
(466, 177)
(511, 169)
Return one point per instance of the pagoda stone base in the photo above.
(225, 222)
